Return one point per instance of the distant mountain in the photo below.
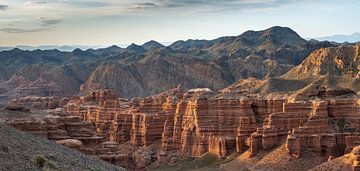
(136, 48)
(65, 48)
(340, 38)
(332, 68)
(150, 45)
(141, 70)
(5, 48)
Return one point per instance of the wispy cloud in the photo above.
(154, 5)
(89, 4)
(60, 11)
(146, 5)
(20, 30)
(50, 22)
(28, 26)
(3, 7)
(210, 5)
(38, 1)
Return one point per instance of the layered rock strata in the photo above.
(35, 102)
(163, 127)
(332, 129)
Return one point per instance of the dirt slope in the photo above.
(22, 151)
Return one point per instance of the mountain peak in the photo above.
(114, 47)
(277, 29)
(281, 35)
(152, 44)
(136, 48)
(77, 50)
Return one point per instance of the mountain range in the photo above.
(141, 70)
(65, 48)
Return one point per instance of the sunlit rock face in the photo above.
(135, 133)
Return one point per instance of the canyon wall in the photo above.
(135, 133)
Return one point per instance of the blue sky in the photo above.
(108, 22)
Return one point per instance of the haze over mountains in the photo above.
(141, 70)
(341, 38)
(337, 38)
(65, 48)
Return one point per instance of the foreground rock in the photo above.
(22, 151)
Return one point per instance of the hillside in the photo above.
(341, 61)
(334, 68)
(23, 151)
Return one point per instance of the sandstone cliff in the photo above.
(176, 123)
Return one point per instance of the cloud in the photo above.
(29, 26)
(50, 22)
(20, 30)
(38, 1)
(155, 5)
(3, 7)
(90, 4)
(38, 25)
(211, 5)
(146, 5)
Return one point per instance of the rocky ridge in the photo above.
(131, 71)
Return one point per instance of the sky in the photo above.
(122, 22)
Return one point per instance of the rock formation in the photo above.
(49, 102)
(162, 128)
(175, 123)
(355, 156)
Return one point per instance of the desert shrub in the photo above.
(40, 161)
(45, 164)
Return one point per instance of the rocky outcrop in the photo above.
(71, 143)
(172, 124)
(203, 124)
(355, 156)
(35, 102)
(34, 125)
(328, 130)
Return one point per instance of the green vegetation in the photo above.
(207, 160)
(40, 161)
(44, 163)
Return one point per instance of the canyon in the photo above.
(264, 100)
(162, 128)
